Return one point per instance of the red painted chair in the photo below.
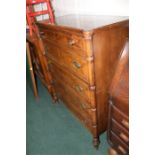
(31, 14)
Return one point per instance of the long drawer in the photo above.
(68, 40)
(119, 116)
(81, 88)
(75, 104)
(121, 132)
(118, 145)
(77, 100)
(118, 130)
(77, 65)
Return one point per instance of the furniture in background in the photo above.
(34, 42)
(118, 121)
(31, 70)
(82, 53)
(39, 62)
(31, 14)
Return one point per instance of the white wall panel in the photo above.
(63, 7)
(95, 7)
(105, 7)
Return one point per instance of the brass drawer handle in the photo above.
(78, 88)
(83, 105)
(42, 33)
(71, 42)
(46, 47)
(85, 121)
(122, 149)
(125, 123)
(76, 64)
(124, 137)
(49, 62)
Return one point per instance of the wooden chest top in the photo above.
(87, 22)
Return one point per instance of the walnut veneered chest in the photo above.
(82, 52)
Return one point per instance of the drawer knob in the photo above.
(76, 64)
(124, 137)
(122, 149)
(71, 42)
(78, 88)
(125, 123)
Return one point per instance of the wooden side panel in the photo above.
(102, 108)
(108, 43)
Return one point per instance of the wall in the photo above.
(105, 7)
(95, 7)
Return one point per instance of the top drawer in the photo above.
(68, 40)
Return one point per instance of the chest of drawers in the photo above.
(118, 124)
(82, 52)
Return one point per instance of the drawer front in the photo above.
(74, 103)
(118, 145)
(65, 40)
(79, 87)
(75, 64)
(77, 99)
(121, 132)
(120, 103)
(52, 51)
(119, 116)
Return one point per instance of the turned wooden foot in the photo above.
(112, 152)
(96, 142)
(55, 99)
(53, 93)
(53, 96)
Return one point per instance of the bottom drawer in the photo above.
(118, 145)
(86, 116)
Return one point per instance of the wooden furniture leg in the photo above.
(112, 152)
(96, 142)
(31, 70)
